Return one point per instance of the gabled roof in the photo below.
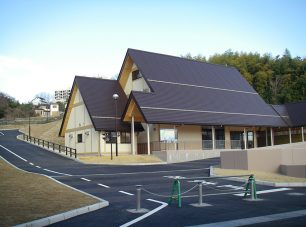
(192, 92)
(295, 111)
(97, 96)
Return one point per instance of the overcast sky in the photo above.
(45, 43)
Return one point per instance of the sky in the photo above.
(45, 43)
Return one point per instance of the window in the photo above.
(125, 137)
(80, 138)
(168, 135)
(136, 75)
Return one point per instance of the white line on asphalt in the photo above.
(267, 191)
(147, 214)
(103, 185)
(212, 194)
(85, 179)
(127, 193)
(31, 164)
(13, 153)
(38, 167)
(229, 186)
(2, 133)
(256, 220)
(57, 172)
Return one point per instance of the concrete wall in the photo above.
(293, 170)
(268, 159)
(175, 156)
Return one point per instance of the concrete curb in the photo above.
(64, 216)
(272, 184)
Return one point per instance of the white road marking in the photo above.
(230, 186)
(127, 193)
(38, 167)
(103, 185)
(163, 205)
(48, 170)
(13, 153)
(85, 179)
(256, 220)
(203, 182)
(267, 191)
(31, 164)
(2, 133)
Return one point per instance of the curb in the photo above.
(273, 184)
(64, 216)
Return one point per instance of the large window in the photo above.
(125, 137)
(168, 135)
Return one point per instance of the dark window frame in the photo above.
(124, 139)
(80, 138)
(136, 75)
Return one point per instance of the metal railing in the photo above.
(69, 151)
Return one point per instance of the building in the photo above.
(170, 105)
(61, 95)
(47, 110)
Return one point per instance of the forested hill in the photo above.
(279, 79)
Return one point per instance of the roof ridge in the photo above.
(97, 78)
(182, 58)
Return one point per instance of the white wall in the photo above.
(79, 122)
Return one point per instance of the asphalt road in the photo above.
(116, 184)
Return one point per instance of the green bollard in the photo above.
(250, 188)
(176, 193)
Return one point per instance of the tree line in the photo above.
(278, 80)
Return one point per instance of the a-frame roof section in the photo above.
(192, 92)
(132, 109)
(97, 96)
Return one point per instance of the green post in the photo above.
(176, 193)
(250, 188)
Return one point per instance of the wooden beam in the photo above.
(127, 69)
(133, 111)
(69, 109)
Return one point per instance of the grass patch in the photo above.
(26, 197)
(259, 175)
(121, 159)
(48, 131)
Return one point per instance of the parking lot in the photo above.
(117, 184)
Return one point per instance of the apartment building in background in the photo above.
(61, 95)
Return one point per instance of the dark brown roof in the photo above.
(191, 92)
(295, 111)
(97, 95)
